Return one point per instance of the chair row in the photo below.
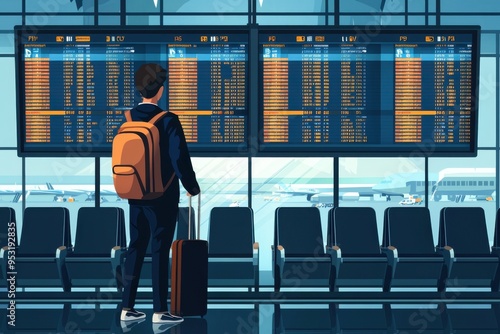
(353, 256)
(406, 258)
(46, 256)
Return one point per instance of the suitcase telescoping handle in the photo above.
(198, 218)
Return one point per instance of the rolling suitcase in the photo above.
(190, 273)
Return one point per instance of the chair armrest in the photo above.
(447, 251)
(391, 252)
(279, 257)
(448, 255)
(334, 251)
(256, 254)
(117, 260)
(118, 252)
(392, 258)
(335, 254)
(3, 261)
(61, 253)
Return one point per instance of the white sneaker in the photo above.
(131, 315)
(166, 318)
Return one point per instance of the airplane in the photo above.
(76, 190)
(286, 190)
(60, 193)
(321, 195)
(456, 183)
(16, 191)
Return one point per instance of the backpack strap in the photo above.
(157, 117)
(153, 120)
(128, 116)
(169, 182)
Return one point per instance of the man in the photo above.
(157, 217)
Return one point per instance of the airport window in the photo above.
(416, 6)
(299, 6)
(275, 181)
(152, 20)
(8, 135)
(8, 22)
(219, 8)
(134, 6)
(349, 6)
(279, 182)
(487, 22)
(488, 44)
(291, 20)
(380, 183)
(416, 20)
(432, 6)
(205, 20)
(372, 20)
(471, 169)
(7, 44)
(223, 182)
(109, 20)
(56, 7)
(331, 5)
(487, 102)
(50, 19)
(67, 182)
(11, 184)
(109, 6)
(11, 6)
(485, 6)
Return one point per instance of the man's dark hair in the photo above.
(149, 78)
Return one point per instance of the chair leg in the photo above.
(387, 280)
(256, 278)
(331, 279)
(277, 279)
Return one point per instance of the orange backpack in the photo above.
(136, 160)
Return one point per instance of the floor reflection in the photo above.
(263, 318)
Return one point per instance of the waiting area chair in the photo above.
(408, 239)
(45, 234)
(355, 249)
(495, 249)
(8, 236)
(96, 259)
(299, 258)
(463, 240)
(233, 254)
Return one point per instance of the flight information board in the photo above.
(75, 84)
(393, 91)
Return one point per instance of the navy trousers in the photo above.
(159, 224)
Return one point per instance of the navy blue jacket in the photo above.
(174, 156)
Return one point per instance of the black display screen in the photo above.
(74, 85)
(346, 91)
(295, 91)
